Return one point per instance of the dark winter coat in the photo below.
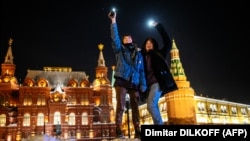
(159, 64)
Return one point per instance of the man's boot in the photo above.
(119, 133)
(137, 130)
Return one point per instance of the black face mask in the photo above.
(130, 46)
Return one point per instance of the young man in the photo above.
(129, 76)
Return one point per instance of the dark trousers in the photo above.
(121, 102)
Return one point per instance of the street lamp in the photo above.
(127, 106)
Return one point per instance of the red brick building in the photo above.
(55, 101)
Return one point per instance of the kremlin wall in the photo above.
(62, 103)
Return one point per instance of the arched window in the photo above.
(213, 108)
(85, 118)
(234, 110)
(201, 106)
(223, 109)
(57, 118)
(26, 119)
(2, 120)
(42, 82)
(72, 119)
(40, 119)
(243, 111)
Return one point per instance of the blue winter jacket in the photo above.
(126, 67)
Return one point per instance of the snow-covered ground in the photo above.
(51, 138)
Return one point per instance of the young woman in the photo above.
(159, 79)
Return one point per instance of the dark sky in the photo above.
(212, 37)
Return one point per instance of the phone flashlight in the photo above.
(150, 22)
(112, 13)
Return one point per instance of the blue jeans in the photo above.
(152, 103)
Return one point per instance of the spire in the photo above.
(9, 57)
(176, 66)
(101, 69)
(101, 61)
(173, 44)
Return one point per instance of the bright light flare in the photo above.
(113, 10)
(150, 22)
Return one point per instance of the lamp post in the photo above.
(127, 106)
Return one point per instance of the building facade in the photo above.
(55, 101)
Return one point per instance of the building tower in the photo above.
(9, 92)
(180, 103)
(103, 85)
(9, 68)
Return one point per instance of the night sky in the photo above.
(213, 37)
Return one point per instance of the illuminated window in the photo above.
(85, 83)
(72, 100)
(112, 115)
(72, 119)
(42, 82)
(234, 110)
(57, 118)
(201, 106)
(223, 109)
(162, 106)
(41, 100)
(85, 118)
(84, 99)
(243, 111)
(2, 120)
(165, 106)
(213, 107)
(29, 82)
(40, 119)
(26, 119)
(72, 83)
(27, 100)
